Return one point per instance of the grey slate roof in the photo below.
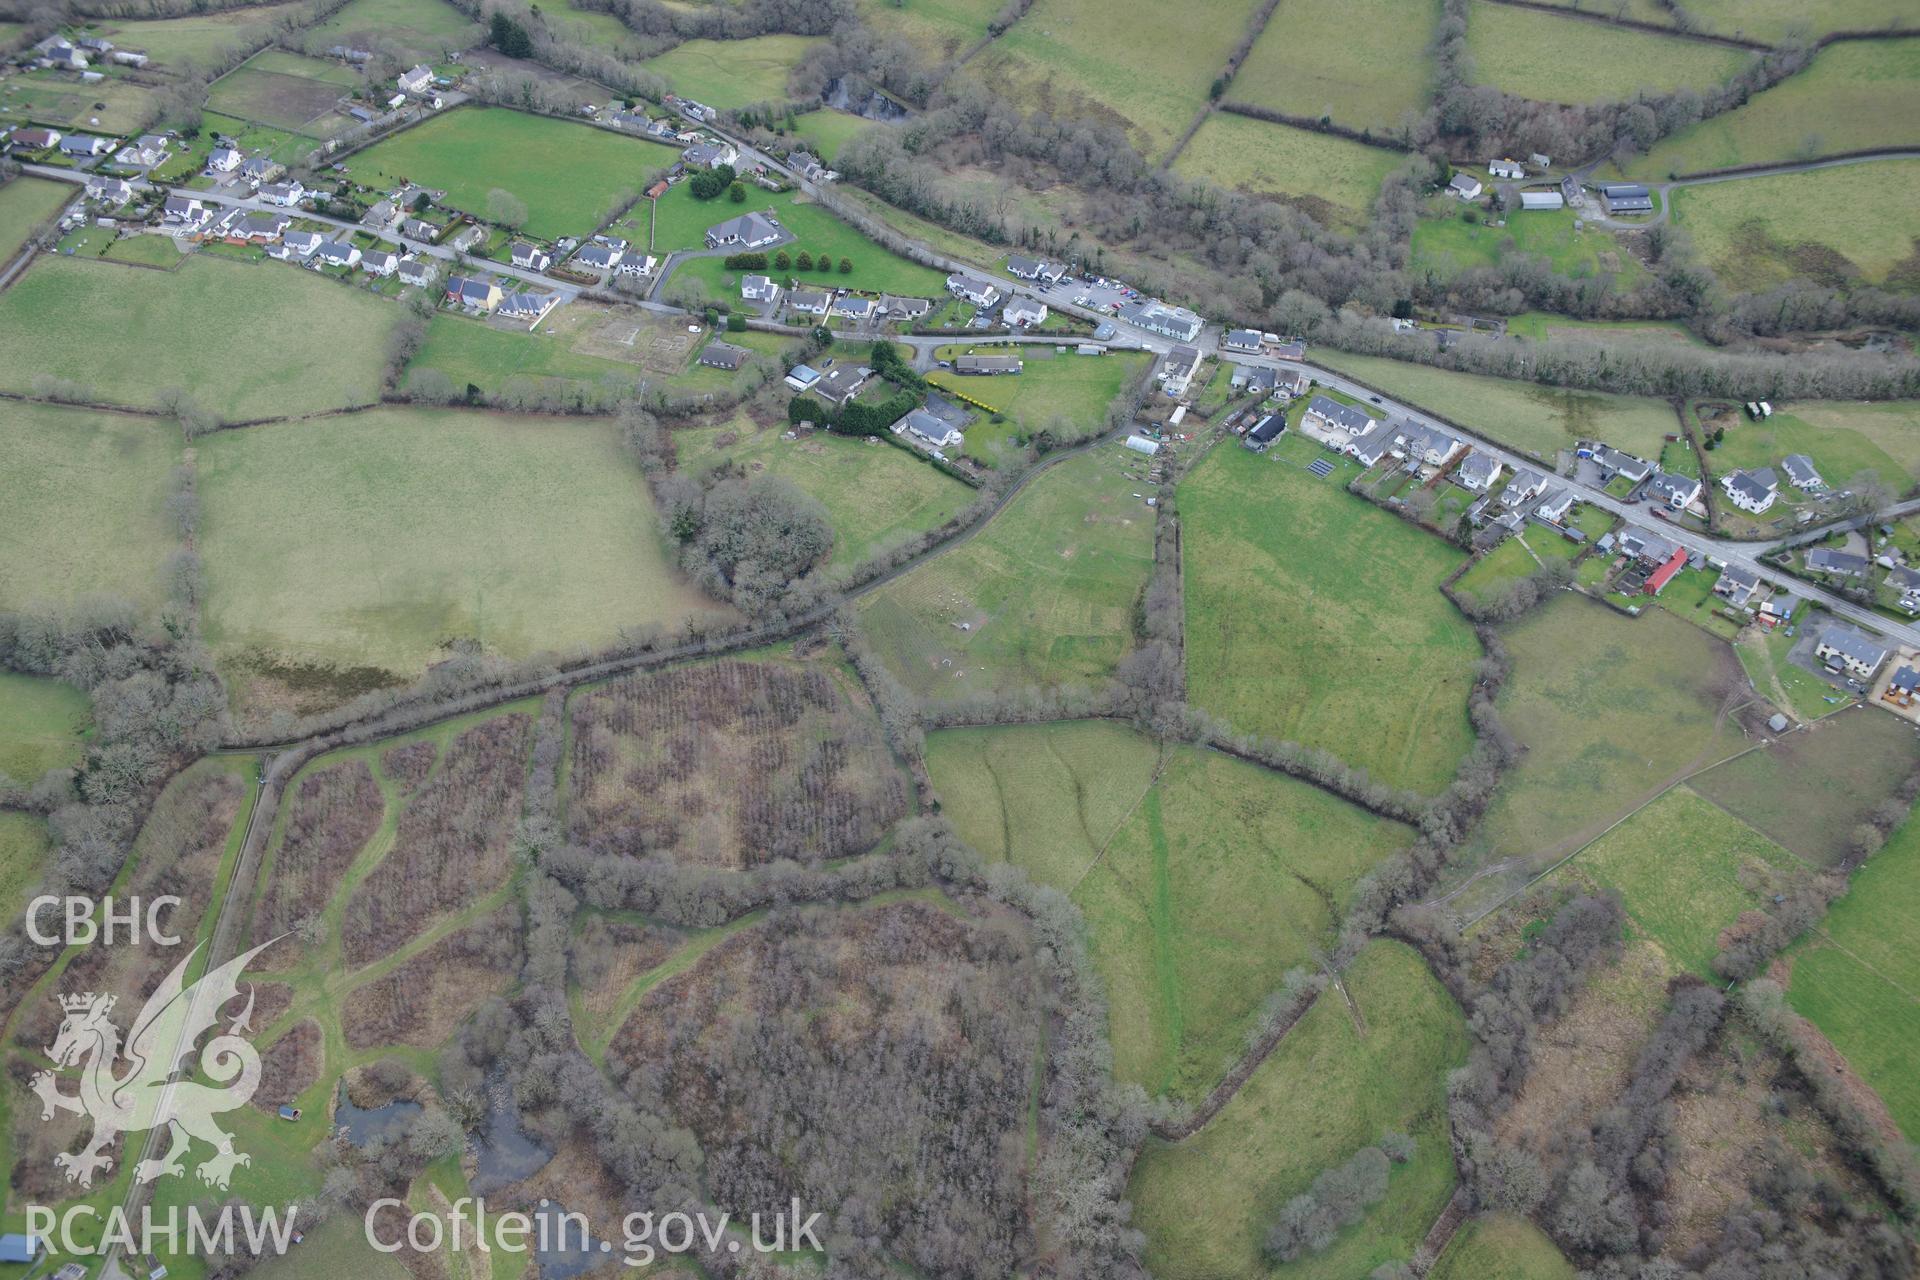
(1348, 418)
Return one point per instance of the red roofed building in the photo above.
(1660, 577)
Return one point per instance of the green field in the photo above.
(1359, 84)
(283, 90)
(731, 73)
(681, 222)
(1553, 59)
(86, 495)
(42, 725)
(146, 251)
(25, 203)
(425, 26)
(1332, 178)
(1833, 226)
(1857, 976)
(1445, 246)
(469, 351)
(376, 538)
(570, 176)
(1610, 711)
(1050, 390)
(1686, 869)
(938, 28)
(1809, 789)
(1857, 95)
(876, 495)
(23, 856)
(1148, 74)
(828, 130)
(1842, 437)
(1763, 657)
(1203, 879)
(131, 336)
(1501, 1247)
(199, 39)
(1314, 616)
(114, 105)
(1328, 1090)
(1767, 20)
(1523, 415)
(1043, 595)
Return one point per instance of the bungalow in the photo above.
(1841, 564)
(475, 295)
(1736, 586)
(1751, 491)
(927, 430)
(416, 81)
(379, 262)
(109, 191)
(223, 160)
(978, 292)
(1477, 472)
(1156, 316)
(85, 145)
(260, 226)
(723, 355)
(842, 384)
(302, 243)
(1269, 428)
(1465, 186)
(35, 139)
(1801, 473)
(641, 265)
(1262, 382)
(419, 229)
(1678, 492)
(710, 155)
(527, 306)
(759, 289)
(284, 194)
(1025, 268)
(905, 308)
(1330, 416)
(1176, 374)
(417, 271)
(987, 365)
(529, 257)
(859, 310)
(1523, 488)
(1844, 649)
(1555, 507)
(748, 231)
(802, 377)
(1617, 463)
(1023, 313)
(1242, 340)
(810, 302)
(183, 209)
(1512, 169)
(335, 253)
(599, 257)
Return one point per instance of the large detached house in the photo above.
(748, 231)
(1854, 652)
(1751, 491)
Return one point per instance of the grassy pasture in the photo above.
(731, 73)
(568, 175)
(1857, 95)
(1045, 590)
(423, 25)
(939, 28)
(1809, 789)
(23, 854)
(1315, 616)
(1831, 225)
(875, 494)
(1549, 58)
(1856, 976)
(1609, 710)
(42, 725)
(133, 335)
(114, 105)
(1521, 415)
(25, 203)
(1501, 1246)
(1149, 73)
(681, 222)
(373, 539)
(1445, 246)
(282, 89)
(828, 130)
(1326, 1091)
(1361, 84)
(1332, 178)
(1686, 869)
(1843, 438)
(146, 251)
(86, 514)
(472, 351)
(1768, 20)
(1048, 387)
(170, 42)
(1202, 879)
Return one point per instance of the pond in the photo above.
(364, 1125)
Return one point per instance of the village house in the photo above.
(301, 243)
(1023, 313)
(85, 145)
(723, 355)
(1801, 473)
(599, 257)
(927, 430)
(1261, 383)
(335, 253)
(905, 308)
(1025, 268)
(380, 216)
(1477, 472)
(1269, 428)
(978, 292)
(1555, 507)
(802, 377)
(1509, 169)
(527, 306)
(419, 229)
(842, 384)
(637, 265)
(811, 302)
(759, 289)
(1853, 652)
(416, 80)
(1677, 491)
(284, 194)
(859, 310)
(1901, 687)
(1523, 488)
(148, 151)
(1156, 316)
(34, 139)
(256, 227)
(1614, 462)
(111, 192)
(1840, 564)
(223, 160)
(710, 154)
(261, 168)
(417, 271)
(1246, 341)
(987, 365)
(748, 231)
(379, 262)
(1465, 186)
(529, 257)
(1669, 568)
(188, 210)
(1330, 416)
(1751, 491)
(1736, 586)
(1176, 373)
(808, 166)
(475, 295)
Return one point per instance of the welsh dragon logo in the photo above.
(147, 1094)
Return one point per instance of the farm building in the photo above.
(802, 377)
(1844, 649)
(1626, 197)
(1542, 200)
(1657, 580)
(723, 355)
(748, 231)
(987, 365)
(1140, 444)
